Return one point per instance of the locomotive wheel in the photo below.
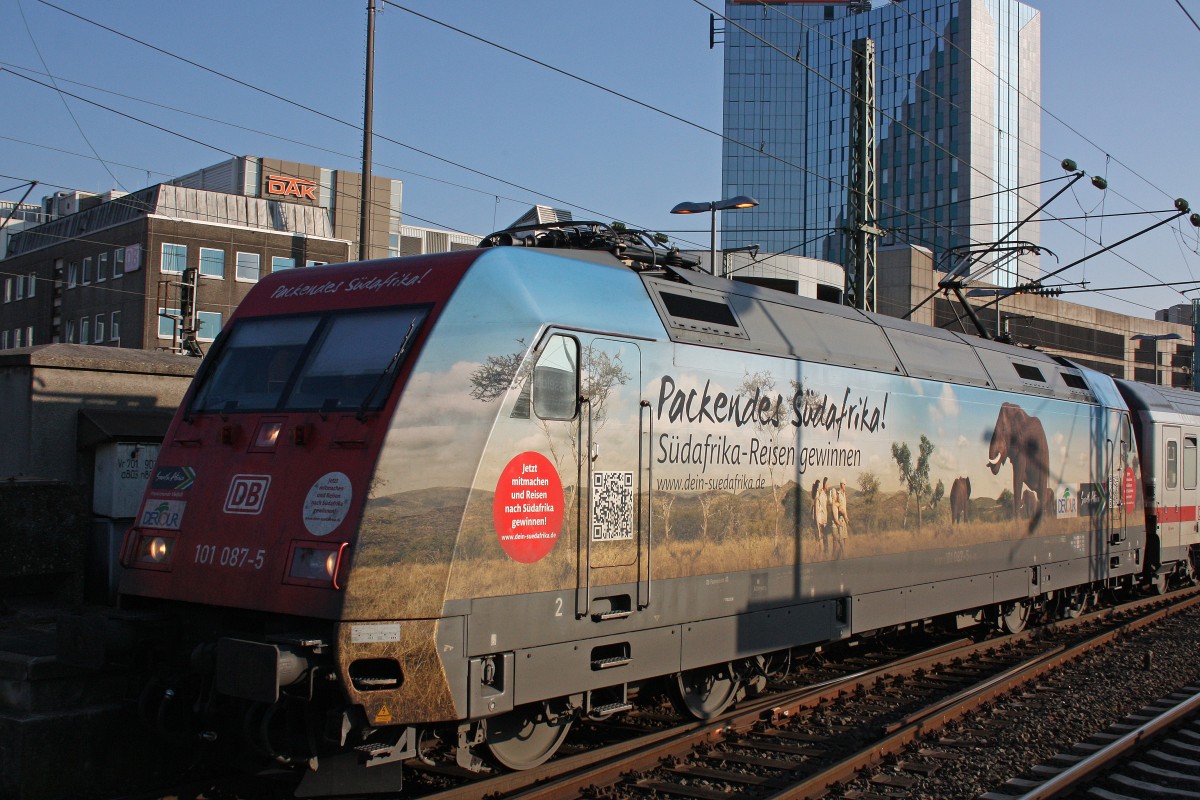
(525, 738)
(1014, 616)
(705, 692)
(1077, 603)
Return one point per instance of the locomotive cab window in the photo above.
(556, 379)
(336, 361)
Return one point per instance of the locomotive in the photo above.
(470, 498)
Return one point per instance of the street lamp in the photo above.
(1156, 338)
(741, 201)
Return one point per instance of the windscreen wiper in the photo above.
(362, 409)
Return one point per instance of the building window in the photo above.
(29, 336)
(166, 324)
(72, 275)
(17, 338)
(32, 284)
(174, 258)
(18, 287)
(118, 260)
(70, 334)
(3, 340)
(114, 327)
(8, 290)
(85, 330)
(282, 262)
(248, 266)
(209, 323)
(102, 267)
(315, 263)
(87, 270)
(99, 329)
(212, 262)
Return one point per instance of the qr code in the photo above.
(612, 506)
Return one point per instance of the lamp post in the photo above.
(741, 201)
(1156, 338)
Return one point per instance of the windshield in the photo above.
(331, 361)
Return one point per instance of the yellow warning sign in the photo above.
(383, 716)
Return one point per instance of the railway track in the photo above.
(878, 728)
(1154, 753)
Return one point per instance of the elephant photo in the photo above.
(1021, 439)
(960, 501)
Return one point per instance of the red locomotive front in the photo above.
(260, 483)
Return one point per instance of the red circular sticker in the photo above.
(528, 507)
(1130, 488)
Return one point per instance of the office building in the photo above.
(336, 191)
(109, 269)
(957, 88)
(111, 274)
(16, 216)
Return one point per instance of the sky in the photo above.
(478, 135)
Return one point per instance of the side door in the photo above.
(1189, 532)
(1170, 494)
(614, 562)
(1119, 447)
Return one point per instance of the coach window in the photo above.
(556, 379)
(1189, 462)
(1172, 464)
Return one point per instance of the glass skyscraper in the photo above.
(958, 89)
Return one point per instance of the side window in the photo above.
(556, 379)
(1172, 464)
(1189, 462)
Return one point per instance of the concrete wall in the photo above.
(43, 389)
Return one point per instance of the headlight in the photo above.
(154, 552)
(314, 564)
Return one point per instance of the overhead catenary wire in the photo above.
(236, 126)
(66, 105)
(323, 114)
(1036, 103)
(423, 152)
(932, 224)
(908, 128)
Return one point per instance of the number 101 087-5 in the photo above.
(236, 557)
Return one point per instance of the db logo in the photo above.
(247, 494)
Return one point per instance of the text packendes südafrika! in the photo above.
(806, 408)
